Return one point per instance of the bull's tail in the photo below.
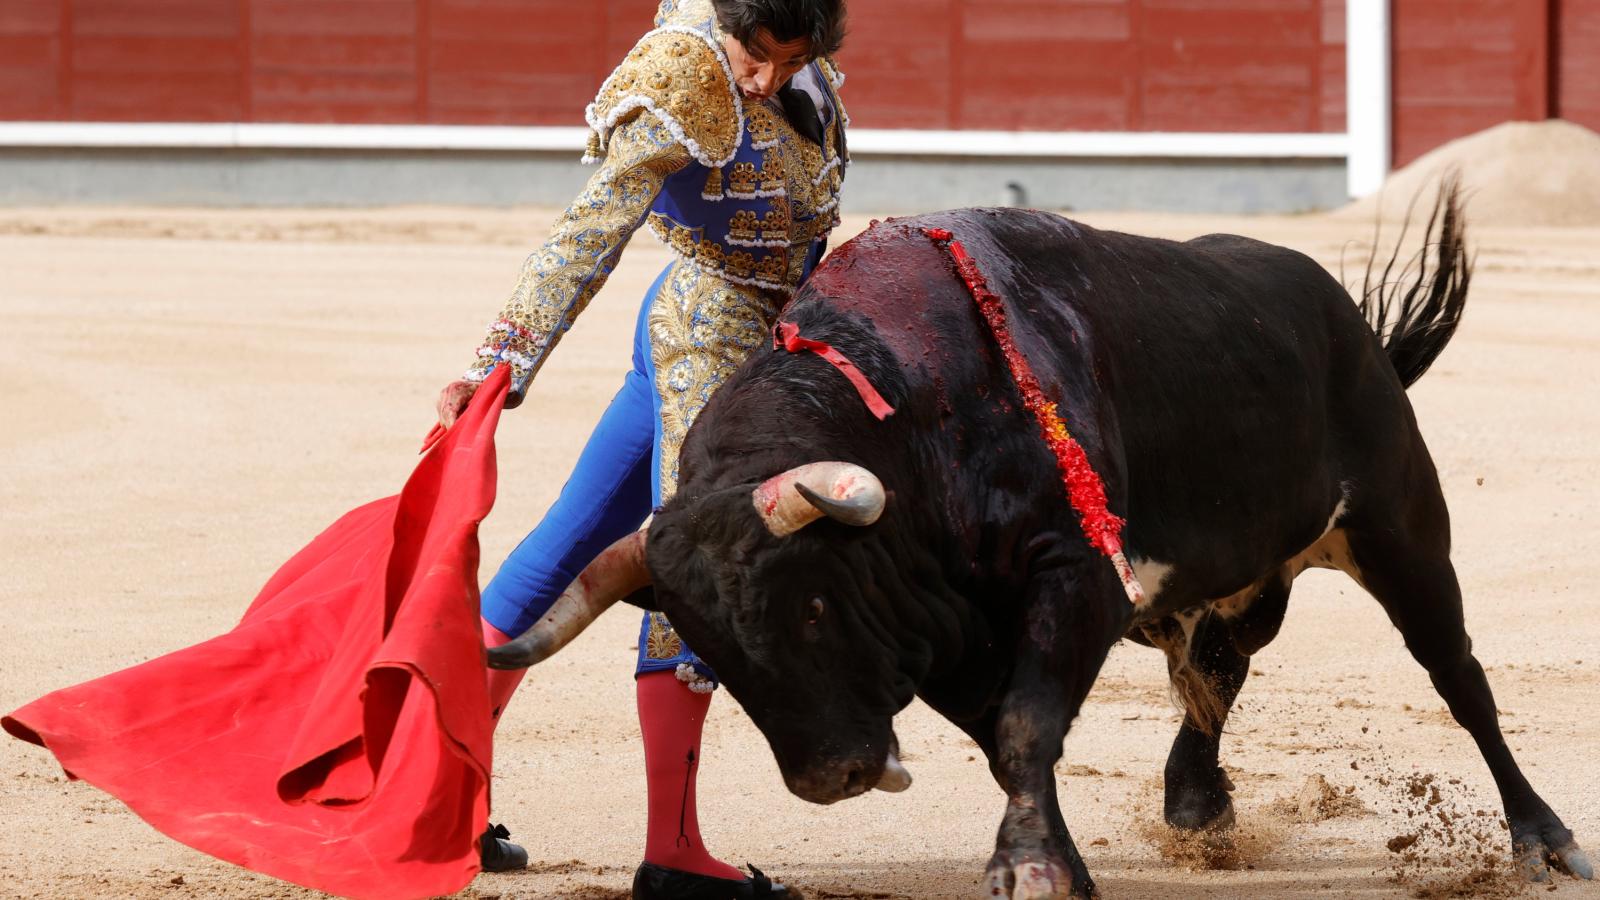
(1416, 314)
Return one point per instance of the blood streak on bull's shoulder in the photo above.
(1085, 489)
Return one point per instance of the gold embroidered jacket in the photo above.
(740, 197)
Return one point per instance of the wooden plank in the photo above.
(1001, 87)
(626, 21)
(509, 99)
(334, 61)
(1577, 64)
(347, 97)
(30, 59)
(155, 18)
(106, 54)
(1464, 65)
(156, 60)
(1092, 76)
(28, 80)
(392, 18)
(513, 61)
(1231, 65)
(153, 96)
(333, 54)
(1215, 88)
(1229, 23)
(897, 59)
(31, 17)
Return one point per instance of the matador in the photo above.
(721, 131)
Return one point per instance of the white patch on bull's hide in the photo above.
(1187, 620)
(1234, 605)
(1331, 550)
(1152, 574)
(1340, 508)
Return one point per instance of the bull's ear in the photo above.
(644, 598)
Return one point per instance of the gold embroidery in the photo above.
(740, 264)
(742, 180)
(710, 252)
(745, 226)
(771, 268)
(681, 77)
(701, 328)
(713, 188)
(772, 180)
(682, 240)
(558, 279)
(763, 126)
(775, 224)
(661, 641)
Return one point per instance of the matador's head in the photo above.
(768, 41)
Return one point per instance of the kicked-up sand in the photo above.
(187, 397)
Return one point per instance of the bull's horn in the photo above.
(895, 777)
(614, 574)
(798, 497)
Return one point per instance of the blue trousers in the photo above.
(611, 491)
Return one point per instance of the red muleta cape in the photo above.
(339, 737)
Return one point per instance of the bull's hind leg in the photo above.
(1217, 654)
(1418, 589)
(1196, 787)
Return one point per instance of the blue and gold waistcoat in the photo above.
(758, 195)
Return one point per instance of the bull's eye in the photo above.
(814, 610)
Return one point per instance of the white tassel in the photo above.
(693, 679)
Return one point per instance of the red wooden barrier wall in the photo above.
(1054, 65)
(1577, 72)
(1464, 65)
(1200, 65)
(1098, 65)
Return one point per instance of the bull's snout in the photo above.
(831, 783)
(848, 777)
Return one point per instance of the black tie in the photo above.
(801, 113)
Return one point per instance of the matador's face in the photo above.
(764, 65)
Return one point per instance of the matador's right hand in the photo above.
(456, 395)
(453, 400)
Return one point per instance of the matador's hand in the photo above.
(453, 400)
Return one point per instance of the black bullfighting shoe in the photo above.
(653, 882)
(496, 854)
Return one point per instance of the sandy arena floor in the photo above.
(190, 396)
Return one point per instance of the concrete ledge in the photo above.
(863, 141)
(264, 176)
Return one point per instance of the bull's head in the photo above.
(780, 608)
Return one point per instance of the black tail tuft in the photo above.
(1415, 315)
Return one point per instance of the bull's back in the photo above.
(1214, 382)
(1227, 374)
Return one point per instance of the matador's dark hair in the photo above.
(820, 22)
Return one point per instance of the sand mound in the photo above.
(1516, 174)
(1317, 801)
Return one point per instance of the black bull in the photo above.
(1248, 421)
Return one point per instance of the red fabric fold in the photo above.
(339, 736)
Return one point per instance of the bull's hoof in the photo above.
(1548, 845)
(1029, 878)
(1200, 807)
(1202, 818)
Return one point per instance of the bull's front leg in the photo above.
(1072, 618)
